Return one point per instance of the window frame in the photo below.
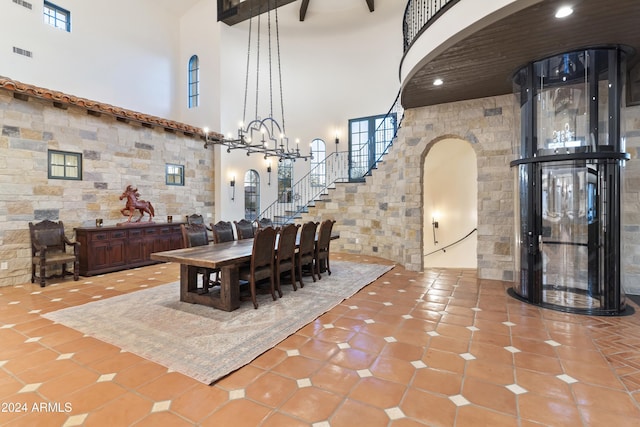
(251, 180)
(64, 166)
(168, 174)
(193, 84)
(318, 172)
(54, 20)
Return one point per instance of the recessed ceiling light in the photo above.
(564, 11)
(438, 82)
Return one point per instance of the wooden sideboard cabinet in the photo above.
(107, 249)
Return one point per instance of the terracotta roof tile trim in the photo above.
(99, 107)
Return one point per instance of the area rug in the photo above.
(205, 343)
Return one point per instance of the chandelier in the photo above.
(265, 136)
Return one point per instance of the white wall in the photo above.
(451, 198)
(118, 52)
(340, 63)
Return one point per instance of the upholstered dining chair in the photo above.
(286, 255)
(49, 248)
(196, 235)
(321, 251)
(306, 250)
(222, 232)
(262, 260)
(264, 222)
(198, 219)
(244, 229)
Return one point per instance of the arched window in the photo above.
(194, 81)
(251, 195)
(318, 169)
(285, 180)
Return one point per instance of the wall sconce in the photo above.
(337, 140)
(232, 184)
(434, 223)
(269, 172)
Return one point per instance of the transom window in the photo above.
(175, 174)
(56, 16)
(65, 165)
(194, 81)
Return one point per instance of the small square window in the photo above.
(65, 165)
(56, 16)
(175, 174)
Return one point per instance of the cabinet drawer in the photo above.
(136, 233)
(118, 234)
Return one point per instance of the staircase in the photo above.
(337, 167)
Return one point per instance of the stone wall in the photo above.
(115, 153)
(383, 216)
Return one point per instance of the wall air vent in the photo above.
(24, 4)
(23, 52)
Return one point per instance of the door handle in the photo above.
(540, 243)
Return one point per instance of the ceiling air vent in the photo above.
(23, 52)
(23, 3)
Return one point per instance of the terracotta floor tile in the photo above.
(395, 370)
(420, 405)
(59, 388)
(123, 411)
(352, 358)
(199, 402)
(271, 389)
(237, 413)
(548, 411)
(592, 374)
(473, 416)
(538, 363)
(543, 384)
(353, 413)
(318, 349)
(139, 374)
(311, 404)
(444, 360)
(490, 396)
(166, 387)
(335, 379)
(378, 392)
(610, 401)
(281, 420)
(439, 382)
(490, 372)
(402, 351)
(164, 419)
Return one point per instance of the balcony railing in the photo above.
(419, 14)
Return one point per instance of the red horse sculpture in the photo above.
(134, 203)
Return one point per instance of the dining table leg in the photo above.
(230, 287)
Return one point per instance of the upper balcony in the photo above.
(474, 46)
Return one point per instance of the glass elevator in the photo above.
(568, 177)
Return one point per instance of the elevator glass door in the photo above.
(569, 240)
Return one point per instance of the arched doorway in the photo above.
(450, 208)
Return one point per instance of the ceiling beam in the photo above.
(241, 11)
(303, 9)
(370, 4)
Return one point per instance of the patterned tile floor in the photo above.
(433, 348)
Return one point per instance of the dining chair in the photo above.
(222, 232)
(198, 219)
(306, 248)
(196, 235)
(264, 222)
(49, 248)
(262, 261)
(321, 251)
(285, 260)
(244, 229)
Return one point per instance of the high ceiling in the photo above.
(482, 64)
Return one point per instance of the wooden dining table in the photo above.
(226, 256)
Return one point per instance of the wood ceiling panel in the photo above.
(482, 64)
